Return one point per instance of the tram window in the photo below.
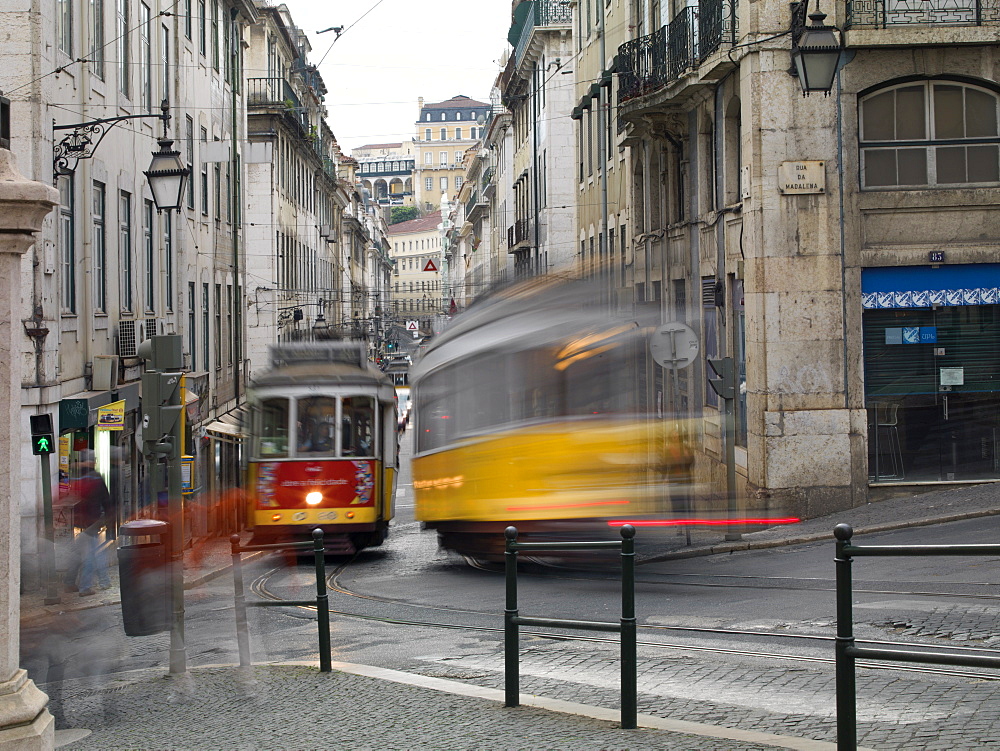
(316, 426)
(358, 426)
(272, 431)
(594, 385)
(434, 411)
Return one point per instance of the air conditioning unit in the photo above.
(105, 373)
(127, 340)
(149, 328)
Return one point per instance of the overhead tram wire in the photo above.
(344, 31)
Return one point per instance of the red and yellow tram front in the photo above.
(339, 495)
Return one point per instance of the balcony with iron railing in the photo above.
(487, 178)
(276, 93)
(542, 14)
(884, 14)
(654, 61)
(518, 235)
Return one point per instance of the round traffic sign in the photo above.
(674, 345)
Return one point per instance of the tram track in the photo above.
(260, 587)
(811, 584)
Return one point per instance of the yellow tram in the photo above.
(530, 410)
(323, 451)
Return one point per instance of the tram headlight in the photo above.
(275, 517)
(349, 514)
(314, 498)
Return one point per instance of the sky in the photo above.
(392, 52)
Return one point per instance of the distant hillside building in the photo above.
(415, 248)
(444, 130)
(386, 171)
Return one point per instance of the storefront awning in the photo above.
(928, 286)
(228, 426)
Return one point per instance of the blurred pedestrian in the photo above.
(91, 513)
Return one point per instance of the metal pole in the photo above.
(847, 720)
(512, 689)
(322, 603)
(49, 548)
(628, 637)
(242, 632)
(674, 400)
(732, 533)
(175, 503)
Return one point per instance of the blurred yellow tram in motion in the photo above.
(531, 410)
(323, 451)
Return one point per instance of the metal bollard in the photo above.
(242, 630)
(322, 602)
(628, 633)
(512, 678)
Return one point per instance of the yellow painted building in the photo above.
(443, 133)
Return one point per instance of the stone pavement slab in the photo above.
(294, 706)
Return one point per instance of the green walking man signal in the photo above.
(42, 441)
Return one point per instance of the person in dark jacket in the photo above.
(90, 514)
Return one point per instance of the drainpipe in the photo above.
(602, 155)
(234, 168)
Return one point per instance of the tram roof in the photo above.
(539, 312)
(332, 364)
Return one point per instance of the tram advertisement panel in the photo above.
(316, 484)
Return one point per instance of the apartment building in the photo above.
(840, 248)
(386, 172)
(416, 291)
(443, 131)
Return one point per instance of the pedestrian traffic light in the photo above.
(161, 409)
(42, 438)
(722, 379)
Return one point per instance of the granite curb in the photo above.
(799, 539)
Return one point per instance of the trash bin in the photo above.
(144, 573)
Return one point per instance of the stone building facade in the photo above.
(443, 131)
(842, 249)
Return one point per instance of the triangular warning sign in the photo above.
(429, 266)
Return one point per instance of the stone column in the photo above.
(25, 722)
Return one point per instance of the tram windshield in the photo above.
(316, 433)
(272, 429)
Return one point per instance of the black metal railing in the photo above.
(518, 232)
(321, 603)
(881, 14)
(271, 92)
(542, 13)
(655, 60)
(682, 53)
(626, 626)
(488, 177)
(474, 200)
(716, 25)
(845, 650)
(642, 65)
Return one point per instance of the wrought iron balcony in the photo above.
(470, 206)
(518, 234)
(682, 53)
(655, 60)
(716, 26)
(881, 14)
(271, 92)
(488, 177)
(642, 65)
(277, 93)
(542, 13)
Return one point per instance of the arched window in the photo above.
(442, 116)
(458, 115)
(428, 117)
(929, 134)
